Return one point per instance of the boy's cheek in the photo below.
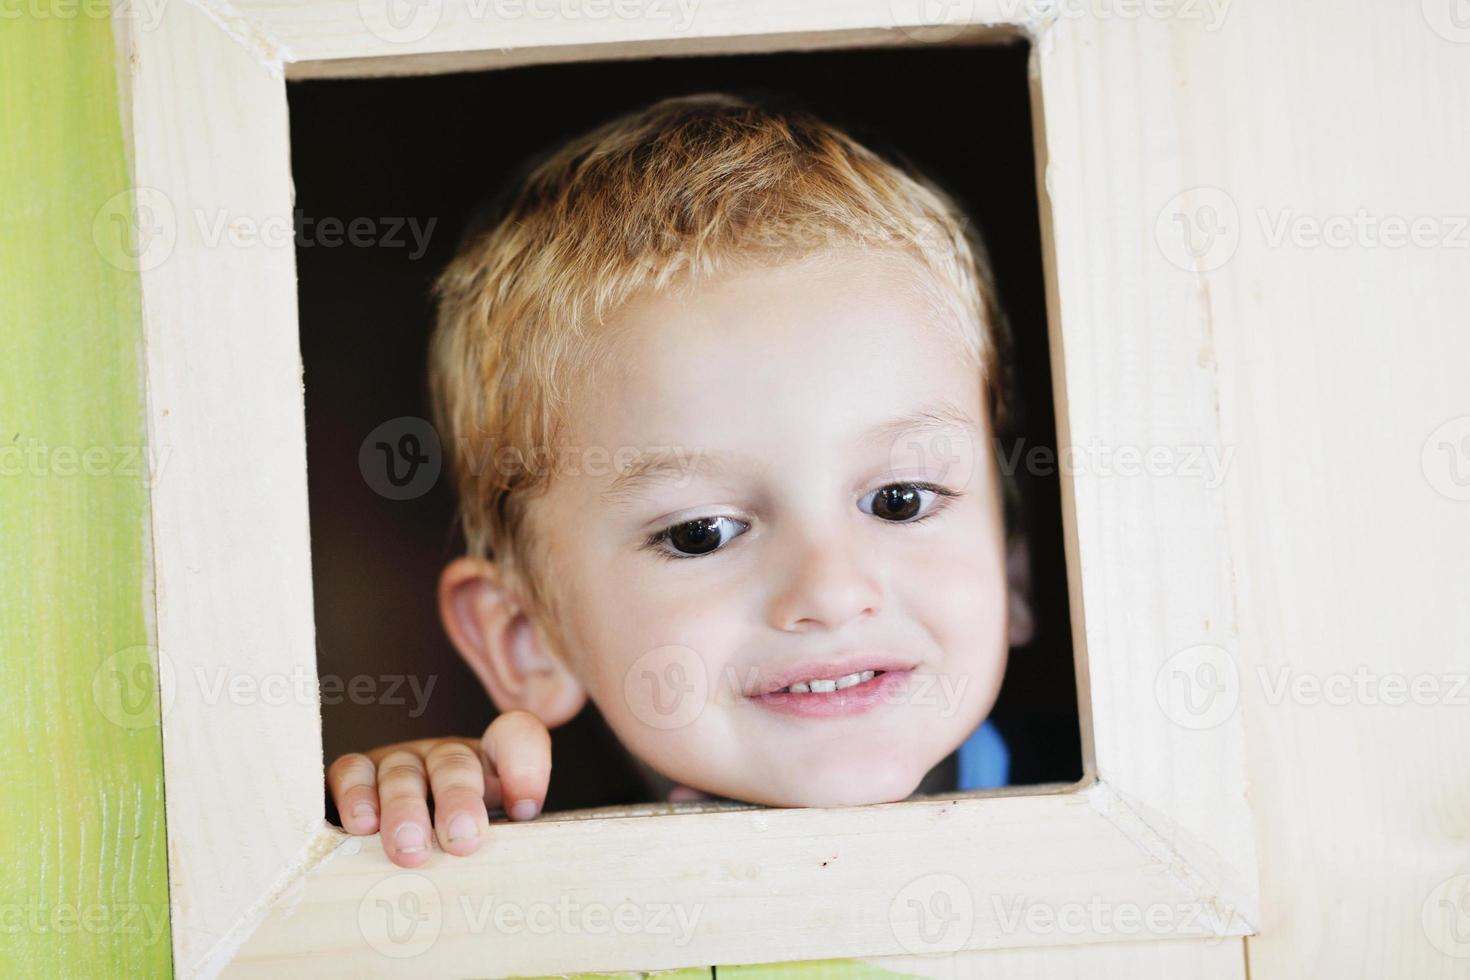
(688, 754)
(960, 598)
(651, 689)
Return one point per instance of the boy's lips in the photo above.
(880, 685)
(771, 682)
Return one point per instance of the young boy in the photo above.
(718, 391)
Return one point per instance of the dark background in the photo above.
(432, 148)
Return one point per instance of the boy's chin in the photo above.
(859, 788)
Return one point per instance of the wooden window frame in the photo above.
(258, 878)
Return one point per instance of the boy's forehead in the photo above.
(772, 364)
(938, 428)
(854, 325)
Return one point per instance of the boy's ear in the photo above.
(1021, 625)
(492, 630)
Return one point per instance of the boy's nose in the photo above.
(830, 583)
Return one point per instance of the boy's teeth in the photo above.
(822, 686)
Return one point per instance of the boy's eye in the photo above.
(699, 537)
(903, 503)
(897, 503)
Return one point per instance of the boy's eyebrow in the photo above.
(942, 414)
(650, 468)
(655, 467)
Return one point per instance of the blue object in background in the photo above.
(984, 760)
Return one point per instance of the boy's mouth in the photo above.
(828, 675)
(825, 692)
(827, 685)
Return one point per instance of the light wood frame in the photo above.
(258, 879)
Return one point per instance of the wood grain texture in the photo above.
(1151, 572)
(242, 726)
(927, 877)
(1334, 374)
(1164, 829)
(1346, 384)
(83, 873)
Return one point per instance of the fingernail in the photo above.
(409, 838)
(463, 827)
(362, 811)
(525, 810)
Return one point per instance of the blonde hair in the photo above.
(685, 188)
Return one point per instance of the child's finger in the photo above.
(519, 749)
(402, 790)
(457, 778)
(353, 780)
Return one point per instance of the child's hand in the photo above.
(509, 766)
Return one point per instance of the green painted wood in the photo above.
(83, 875)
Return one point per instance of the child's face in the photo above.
(788, 379)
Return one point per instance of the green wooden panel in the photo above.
(84, 873)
